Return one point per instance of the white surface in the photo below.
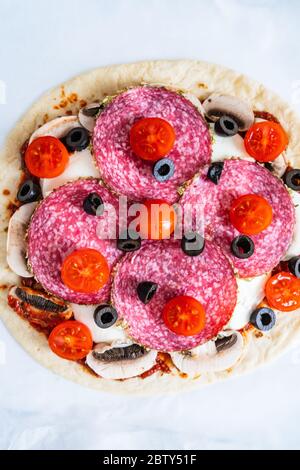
(44, 43)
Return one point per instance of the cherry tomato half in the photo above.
(71, 340)
(184, 315)
(251, 214)
(152, 138)
(265, 141)
(158, 221)
(283, 292)
(85, 270)
(46, 157)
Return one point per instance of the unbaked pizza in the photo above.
(154, 229)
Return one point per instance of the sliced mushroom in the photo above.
(123, 352)
(16, 239)
(85, 314)
(217, 105)
(41, 310)
(88, 115)
(231, 147)
(195, 101)
(120, 360)
(251, 291)
(57, 127)
(213, 356)
(278, 166)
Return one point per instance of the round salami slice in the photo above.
(208, 278)
(59, 226)
(212, 204)
(126, 173)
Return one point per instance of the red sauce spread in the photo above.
(32, 283)
(43, 321)
(11, 207)
(266, 116)
(65, 100)
(162, 365)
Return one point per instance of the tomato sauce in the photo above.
(266, 116)
(162, 365)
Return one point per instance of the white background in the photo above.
(45, 42)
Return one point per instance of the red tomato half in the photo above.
(251, 214)
(152, 138)
(71, 340)
(265, 141)
(184, 316)
(46, 157)
(283, 292)
(158, 221)
(85, 270)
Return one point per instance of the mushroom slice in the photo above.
(218, 105)
(278, 166)
(57, 127)
(88, 115)
(41, 310)
(251, 291)
(85, 314)
(231, 147)
(213, 356)
(120, 360)
(195, 101)
(16, 247)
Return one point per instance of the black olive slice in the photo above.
(215, 171)
(268, 166)
(226, 127)
(164, 169)
(242, 247)
(105, 316)
(93, 204)
(146, 291)
(292, 179)
(263, 318)
(294, 266)
(129, 241)
(29, 192)
(192, 244)
(77, 139)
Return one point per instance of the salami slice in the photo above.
(208, 278)
(213, 202)
(59, 226)
(127, 174)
